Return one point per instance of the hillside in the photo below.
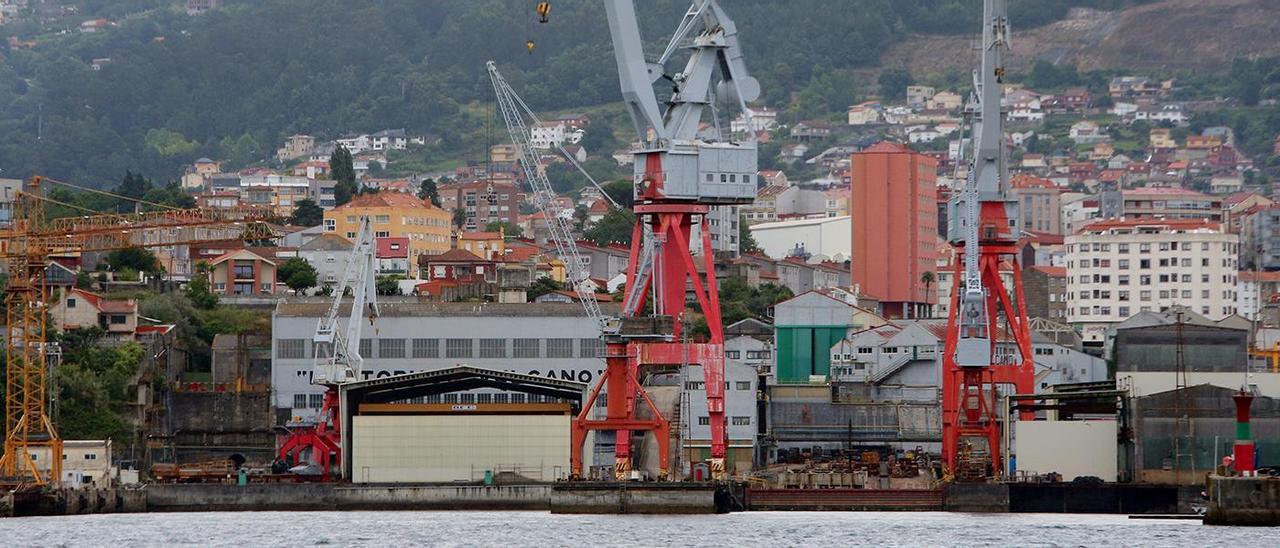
(1168, 35)
(231, 84)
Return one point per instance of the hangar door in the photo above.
(408, 448)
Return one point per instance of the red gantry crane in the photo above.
(983, 225)
(681, 171)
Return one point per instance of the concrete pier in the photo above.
(1243, 501)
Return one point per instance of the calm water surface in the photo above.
(753, 529)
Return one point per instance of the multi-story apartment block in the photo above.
(395, 215)
(484, 201)
(1117, 268)
(1167, 203)
(1041, 202)
(1260, 234)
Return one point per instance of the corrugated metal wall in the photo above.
(431, 448)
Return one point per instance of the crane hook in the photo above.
(529, 46)
(544, 11)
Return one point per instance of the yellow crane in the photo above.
(29, 244)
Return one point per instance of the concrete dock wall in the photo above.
(319, 496)
(612, 498)
(1243, 501)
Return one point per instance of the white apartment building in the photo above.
(1118, 268)
(547, 134)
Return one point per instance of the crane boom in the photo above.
(518, 118)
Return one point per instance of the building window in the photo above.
(299, 401)
(117, 319)
(590, 348)
(243, 288)
(694, 385)
(391, 348)
(744, 385)
(315, 401)
(291, 348)
(458, 348)
(559, 348)
(493, 348)
(426, 348)
(742, 421)
(366, 348)
(525, 348)
(71, 303)
(243, 270)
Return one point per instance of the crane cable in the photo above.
(110, 194)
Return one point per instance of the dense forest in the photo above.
(232, 83)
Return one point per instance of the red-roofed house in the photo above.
(81, 309)
(457, 265)
(392, 255)
(243, 272)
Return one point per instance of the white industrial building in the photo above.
(826, 237)
(901, 361)
(1118, 268)
(550, 340)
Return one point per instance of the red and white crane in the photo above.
(337, 357)
(983, 226)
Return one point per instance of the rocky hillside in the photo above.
(1165, 35)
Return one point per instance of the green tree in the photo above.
(306, 213)
(927, 278)
(198, 290)
(429, 191)
(510, 230)
(298, 274)
(542, 286)
(136, 259)
(134, 186)
(342, 169)
(893, 83)
(84, 280)
(746, 242)
(459, 218)
(388, 285)
(614, 228)
(621, 191)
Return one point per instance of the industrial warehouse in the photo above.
(915, 353)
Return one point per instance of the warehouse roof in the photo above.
(314, 307)
(455, 379)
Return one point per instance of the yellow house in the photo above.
(487, 245)
(1162, 138)
(395, 215)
